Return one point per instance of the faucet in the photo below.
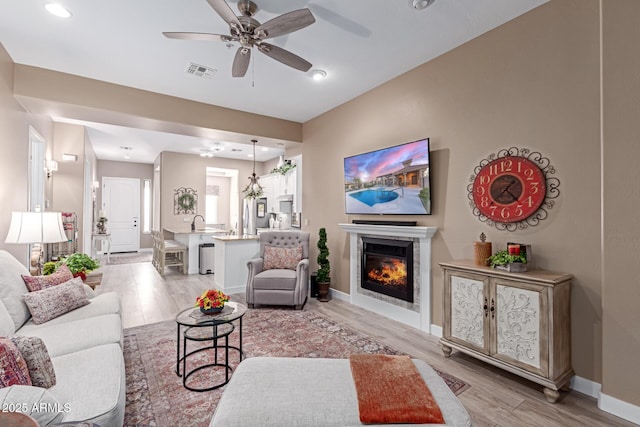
(193, 223)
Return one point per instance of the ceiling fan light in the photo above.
(318, 74)
(421, 4)
(57, 10)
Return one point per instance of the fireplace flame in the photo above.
(391, 272)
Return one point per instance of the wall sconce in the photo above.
(50, 167)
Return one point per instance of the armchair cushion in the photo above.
(276, 279)
(282, 257)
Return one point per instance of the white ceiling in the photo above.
(359, 43)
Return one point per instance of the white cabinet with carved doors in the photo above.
(517, 321)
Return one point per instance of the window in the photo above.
(211, 204)
(146, 208)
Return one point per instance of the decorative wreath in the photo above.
(186, 201)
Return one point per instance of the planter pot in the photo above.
(323, 291)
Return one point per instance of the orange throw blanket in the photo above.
(391, 390)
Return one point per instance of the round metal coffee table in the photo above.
(194, 326)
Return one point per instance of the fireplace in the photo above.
(387, 267)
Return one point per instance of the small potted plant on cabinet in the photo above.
(511, 262)
(323, 278)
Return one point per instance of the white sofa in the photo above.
(85, 346)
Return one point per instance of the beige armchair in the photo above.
(281, 275)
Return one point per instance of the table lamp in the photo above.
(36, 227)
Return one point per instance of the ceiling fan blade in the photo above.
(285, 24)
(199, 36)
(241, 62)
(284, 56)
(224, 10)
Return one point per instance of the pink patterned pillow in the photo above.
(13, 367)
(52, 302)
(34, 351)
(281, 258)
(37, 283)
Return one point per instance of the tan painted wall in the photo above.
(139, 171)
(621, 244)
(14, 144)
(68, 181)
(531, 83)
(188, 170)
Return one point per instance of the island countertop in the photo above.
(203, 230)
(235, 238)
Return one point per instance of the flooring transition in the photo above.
(495, 398)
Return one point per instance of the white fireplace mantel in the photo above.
(420, 320)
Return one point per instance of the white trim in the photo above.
(420, 320)
(619, 408)
(436, 331)
(585, 386)
(339, 295)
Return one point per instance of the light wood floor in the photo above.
(495, 398)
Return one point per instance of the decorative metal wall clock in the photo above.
(513, 189)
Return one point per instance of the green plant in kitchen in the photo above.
(503, 258)
(79, 264)
(286, 167)
(323, 277)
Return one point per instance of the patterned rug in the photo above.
(130, 258)
(156, 397)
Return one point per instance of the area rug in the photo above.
(156, 397)
(130, 258)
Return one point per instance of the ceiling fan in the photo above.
(249, 33)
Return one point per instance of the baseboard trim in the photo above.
(339, 295)
(585, 386)
(436, 331)
(619, 408)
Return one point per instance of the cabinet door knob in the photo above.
(493, 309)
(486, 307)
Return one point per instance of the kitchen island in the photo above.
(231, 255)
(192, 239)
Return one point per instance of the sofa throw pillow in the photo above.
(281, 258)
(52, 302)
(13, 367)
(34, 351)
(38, 283)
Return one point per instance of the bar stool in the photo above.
(168, 253)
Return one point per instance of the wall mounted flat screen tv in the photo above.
(390, 181)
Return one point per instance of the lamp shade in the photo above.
(36, 227)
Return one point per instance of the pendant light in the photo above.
(255, 190)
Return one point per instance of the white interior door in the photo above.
(121, 203)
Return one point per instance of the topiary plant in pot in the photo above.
(323, 278)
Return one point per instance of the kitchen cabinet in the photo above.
(519, 322)
(275, 185)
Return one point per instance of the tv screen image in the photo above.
(393, 181)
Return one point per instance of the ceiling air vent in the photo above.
(200, 70)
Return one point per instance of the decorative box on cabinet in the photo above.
(520, 322)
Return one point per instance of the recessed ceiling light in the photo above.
(420, 4)
(207, 154)
(57, 10)
(318, 74)
(265, 149)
